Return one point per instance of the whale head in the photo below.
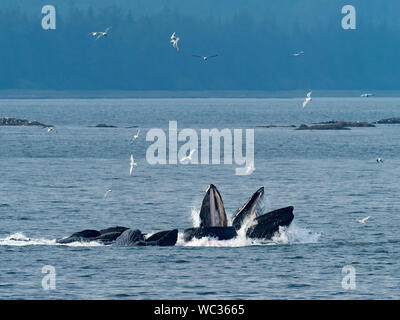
(252, 208)
(212, 213)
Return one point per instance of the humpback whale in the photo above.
(212, 213)
(213, 221)
(122, 236)
(261, 225)
(253, 206)
(268, 224)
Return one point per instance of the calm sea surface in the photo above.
(53, 184)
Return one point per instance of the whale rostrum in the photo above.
(212, 212)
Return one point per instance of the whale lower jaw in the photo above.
(222, 233)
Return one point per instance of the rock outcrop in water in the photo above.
(389, 121)
(268, 126)
(21, 122)
(102, 125)
(336, 125)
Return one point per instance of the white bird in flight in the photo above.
(174, 41)
(98, 34)
(379, 160)
(250, 168)
(136, 136)
(205, 58)
(296, 54)
(366, 95)
(363, 220)
(308, 99)
(132, 164)
(50, 129)
(189, 157)
(106, 194)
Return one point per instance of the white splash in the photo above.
(149, 234)
(285, 236)
(195, 214)
(19, 239)
(214, 242)
(294, 234)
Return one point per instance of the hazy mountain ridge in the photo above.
(254, 40)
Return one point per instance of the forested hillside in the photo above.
(254, 40)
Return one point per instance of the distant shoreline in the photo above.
(159, 94)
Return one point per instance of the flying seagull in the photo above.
(366, 95)
(106, 194)
(296, 54)
(50, 129)
(363, 220)
(250, 168)
(136, 136)
(132, 164)
(379, 160)
(98, 34)
(189, 157)
(205, 58)
(174, 41)
(308, 99)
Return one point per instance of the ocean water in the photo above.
(53, 184)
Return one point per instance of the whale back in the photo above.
(212, 212)
(268, 224)
(129, 238)
(251, 209)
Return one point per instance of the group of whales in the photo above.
(213, 223)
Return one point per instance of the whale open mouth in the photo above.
(212, 213)
(265, 224)
(251, 209)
